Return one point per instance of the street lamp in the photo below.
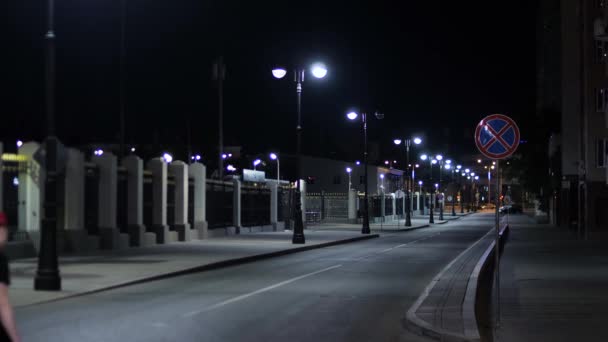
(439, 158)
(419, 196)
(274, 156)
(349, 170)
(407, 143)
(353, 116)
(256, 163)
(432, 161)
(318, 70)
(47, 274)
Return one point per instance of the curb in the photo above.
(211, 266)
(418, 326)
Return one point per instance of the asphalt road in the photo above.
(353, 292)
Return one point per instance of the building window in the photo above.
(337, 179)
(601, 100)
(601, 148)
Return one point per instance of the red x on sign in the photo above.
(497, 136)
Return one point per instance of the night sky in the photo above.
(432, 67)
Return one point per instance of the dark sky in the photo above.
(434, 67)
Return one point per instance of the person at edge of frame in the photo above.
(8, 328)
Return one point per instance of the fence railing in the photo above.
(255, 206)
(219, 203)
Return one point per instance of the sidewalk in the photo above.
(109, 269)
(554, 287)
(445, 311)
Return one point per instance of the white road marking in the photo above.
(405, 244)
(265, 289)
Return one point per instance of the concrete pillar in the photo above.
(394, 199)
(31, 182)
(236, 205)
(135, 203)
(352, 206)
(111, 238)
(179, 170)
(382, 206)
(158, 167)
(198, 172)
(274, 204)
(76, 236)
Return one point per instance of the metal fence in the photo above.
(255, 206)
(388, 205)
(10, 192)
(91, 200)
(399, 206)
(219, 204)
(326, 207)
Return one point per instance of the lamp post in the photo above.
(274, 156)
(353, 116)
(348, 171)
(473, 190)
(408, 184)
(256, 163)
(439, 158)
(455, 171)
(422, 206)
(47, 274)
(432, 161)
(318, 70)
(467, 171)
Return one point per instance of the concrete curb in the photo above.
(413, 323)
(211, 266)
(469, 318)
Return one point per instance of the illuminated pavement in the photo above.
(353, 292)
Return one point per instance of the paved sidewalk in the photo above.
(554, 287)
(106, 269)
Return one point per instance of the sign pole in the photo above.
(497, 247)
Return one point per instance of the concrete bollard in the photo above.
(158, 167)
(352, 206)
(31, 192)
(77, 238)
(179, 170)
(198, 172)
(274, 204)
(110, 236)
(138, 237)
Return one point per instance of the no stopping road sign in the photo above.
(497, 136)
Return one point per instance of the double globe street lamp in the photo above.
(432, 161)
(408, 183)
(353, 116)
(318, 70)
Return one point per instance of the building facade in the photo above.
(583, 195)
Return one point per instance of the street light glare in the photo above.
(448, 162)
(358, 162)
(273, 156)
(478, 161)
(349, 170)
(439, 157)
(417, 141)
(447, 167)
(397, 141)
(434, 161)
(352, 115)
(419, 182)
(319, 70)
(19, 143)
(256, 162)
(459, 167)
(467, 170)
(279, 72)
(167, 157)
(423, 157)
(382, 175)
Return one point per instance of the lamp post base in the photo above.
(47, 280)
(431, 216)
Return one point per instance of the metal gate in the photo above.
(255, 206)
(219, 203)
(327, 207)
(10, 194)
